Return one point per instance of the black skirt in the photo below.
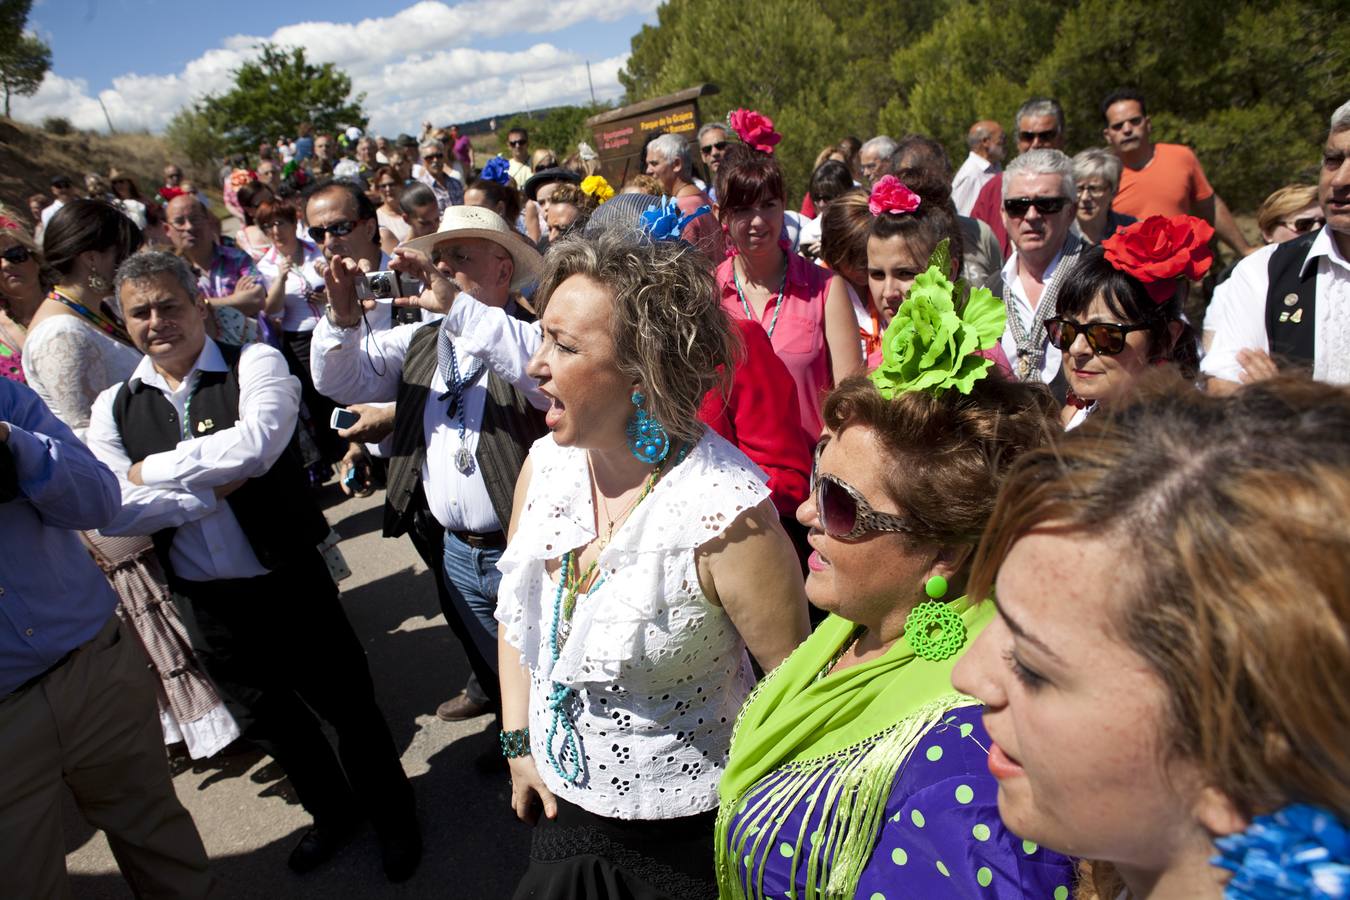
(582, 856)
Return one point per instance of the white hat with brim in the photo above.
(476, 222)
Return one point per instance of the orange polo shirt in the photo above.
(1170, 185)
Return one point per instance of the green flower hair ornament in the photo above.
(931, 343)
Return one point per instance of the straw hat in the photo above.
(476, 222)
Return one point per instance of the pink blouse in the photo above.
(799, 336)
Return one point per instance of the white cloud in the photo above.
(416, 64)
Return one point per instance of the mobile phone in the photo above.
(343, 418)
(351, 478)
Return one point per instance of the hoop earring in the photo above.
(934, 631)
(97, 282)
(647, 438)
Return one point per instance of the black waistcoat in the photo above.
(1291, 304)
(276, 511)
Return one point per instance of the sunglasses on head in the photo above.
(1028, 137)
(1133, 122)
(1304, 224)
(718, 145)
(1105, 338)
(844, 512)
(16, 255)
(1047, 206)
(337, 229)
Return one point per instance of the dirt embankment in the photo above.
(30, 157)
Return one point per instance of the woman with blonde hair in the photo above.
(1164, 685)
(1288, 212)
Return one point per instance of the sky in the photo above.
(429, 60)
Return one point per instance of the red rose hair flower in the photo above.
(9, 224)
(754, 129)
(890, 195)
(1159, 250)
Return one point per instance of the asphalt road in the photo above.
(244, 808)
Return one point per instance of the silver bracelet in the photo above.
(328, 314)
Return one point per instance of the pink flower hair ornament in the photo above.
(890, 195)
(754, 129)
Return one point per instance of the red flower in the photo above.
(889, 195)
(1159, 250)
(754, 129)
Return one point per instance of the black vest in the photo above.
(276, 511)
(510, 427)
(1291, 304)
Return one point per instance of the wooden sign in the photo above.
(620, 134)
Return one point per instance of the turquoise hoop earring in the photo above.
(934, 631)
(647, 438)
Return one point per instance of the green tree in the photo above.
(277, 91)
(24, 59)
(558, 128)
(193, 133)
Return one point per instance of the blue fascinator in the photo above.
(497, 169)
(666, 222)
(1300, 851)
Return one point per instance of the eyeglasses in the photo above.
(719, 145)
(430, 156)
(1030, 137)
(844, 512)
(520, 143)
(1047, 206)
(1133, 122)
(1092, 190)
(1105, 338)
(1304, 224)
(337, 229)
(16, 255)
(275, 224)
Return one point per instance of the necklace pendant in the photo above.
(464, 461)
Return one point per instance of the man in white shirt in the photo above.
(201, 441)
(1038, 212)
(875, 158)
(1287, 306)
(465, 419)
(985, 140)
(63, 189)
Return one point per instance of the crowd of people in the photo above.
(963, 532)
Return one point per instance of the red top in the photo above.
(759, 414)
(799, 335)
(988, 209)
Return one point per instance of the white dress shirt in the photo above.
(974, 174)
(353, 371)
(1237, 314)
(1053, 359)
(179, 484)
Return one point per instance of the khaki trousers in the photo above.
(91, 723)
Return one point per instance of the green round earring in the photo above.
(934, 631)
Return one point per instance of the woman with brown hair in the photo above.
(20, 293)
(1166, 673)
(845, 226)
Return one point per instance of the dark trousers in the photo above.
(429, 538)
(281, 650)
(295, 349)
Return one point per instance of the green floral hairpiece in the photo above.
(931, 343)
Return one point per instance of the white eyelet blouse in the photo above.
(660, 672)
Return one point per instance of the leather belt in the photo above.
(488, 540)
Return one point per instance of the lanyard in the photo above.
(93, 317)
(778, 304)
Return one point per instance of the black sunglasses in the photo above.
(1028, 137)
(337, 229)
(433, 156)
(1133, 122)
(1047, 206)
(521, 143)
(16, 255)
(844, 512)
(719, 145)
(1304, 224)
(1105, 338)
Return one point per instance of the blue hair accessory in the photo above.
(666, 223)
(497, 169)
(1300, 851)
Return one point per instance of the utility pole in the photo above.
(525, 96)
(111, 130)
(590, 82)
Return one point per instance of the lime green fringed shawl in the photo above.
(861, 723)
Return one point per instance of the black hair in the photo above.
(83, 225)
(1129, 301)
(746, 178)
(518, 130)
(508, 195)
(831, 179)
(917, 151)
(364, 208)
(414, 196)
(1119, 95)
(248, 196)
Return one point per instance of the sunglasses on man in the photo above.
(1030, 137)
(430, 156)
(520, 143)
(718, 145)
(843, 511)
(1105, 338)
(1047, 206)
(1304, 224)
(337, 229)
(16, 255)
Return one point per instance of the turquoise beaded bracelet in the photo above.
(515, 743)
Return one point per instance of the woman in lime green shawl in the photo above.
(856, 769)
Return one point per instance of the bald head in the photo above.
(985, 139)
